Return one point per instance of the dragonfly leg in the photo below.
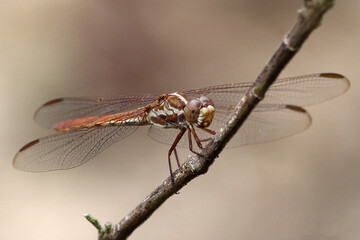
(208, 131)
(198, 141)
(205, 140)
(196, 137)
(176, 157)
(190, 142)
(173, 149)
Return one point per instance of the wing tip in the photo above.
(331, 75)
(295, 108)
(39, 112)
(337, 76)
(30, 144)
(299, 110)
(18, 163)
(54, 101)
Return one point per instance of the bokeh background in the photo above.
(303, 187)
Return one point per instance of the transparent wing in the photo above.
(69, 149)
(61, 109)
(265, 124)
(300, 91)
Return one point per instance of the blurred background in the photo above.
(303, 187)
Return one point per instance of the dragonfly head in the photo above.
(200, 111)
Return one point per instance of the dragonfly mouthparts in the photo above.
(206, 116)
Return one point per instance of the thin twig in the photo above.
(309, 18)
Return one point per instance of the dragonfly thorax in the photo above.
(176, 111)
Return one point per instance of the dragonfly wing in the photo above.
(301, 91)
(266, 124)
(68, 149)
(62, 109)
(307, 90)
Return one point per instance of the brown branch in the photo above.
(309, 18)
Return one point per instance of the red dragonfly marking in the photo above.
(87, 126)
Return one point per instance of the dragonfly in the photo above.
(87, 126)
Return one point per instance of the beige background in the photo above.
(303, 187)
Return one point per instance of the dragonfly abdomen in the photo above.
(135, 117)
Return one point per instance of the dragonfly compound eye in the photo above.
(192, 110)
(206, 101)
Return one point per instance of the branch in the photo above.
(309, 18)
